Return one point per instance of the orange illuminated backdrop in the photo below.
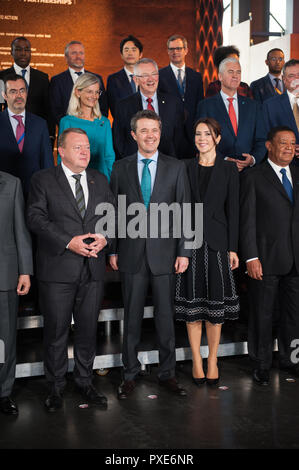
(101, 24)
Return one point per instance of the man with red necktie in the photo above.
(24, 138)
(168, 107)
(241, 119)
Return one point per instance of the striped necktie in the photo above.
(20, 132)
(79, 195)
(277, 86)
(181, 83)
(149, 104)
(132, 83)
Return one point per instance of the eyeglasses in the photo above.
(148, 75)
(91, 93)
(276, 59)
(13, 92)
(175, 49)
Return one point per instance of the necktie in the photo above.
(146, 182)
(232, 115)
(132, 83)
(78, 73)
(277, 86)
(23, 75)
(20, 133)
(180, 82)
(79, 195)
(149, 104)
(296, 114)
(287, 184)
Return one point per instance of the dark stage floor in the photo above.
(243, 416)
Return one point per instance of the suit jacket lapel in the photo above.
(133, 179)
(123, 78)
(192, 174)
(223, 111)
(10, 135)
(242, 118)
(214, 182)
(271, 176)
(65, 186)
(295, 180)
(161, 174)
(91, 196)
(288, 113)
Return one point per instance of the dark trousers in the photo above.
(58, 301)
(263, 301)
(134, 287)
(8, 334)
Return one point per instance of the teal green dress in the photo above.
(99, 133)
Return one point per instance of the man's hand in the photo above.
(241, 164)
(181, 264)
(78, 246)
(23, 284)
(233, 260)
(99, 243)
(113, 260)
(255, 270)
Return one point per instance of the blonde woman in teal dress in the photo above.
(84, 113)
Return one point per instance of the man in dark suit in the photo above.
(61, 85)
(184, 83)
(70, 263)
(121, 84)
(272, 83)
(169, 108)
(148, 178)
(15, 268)
(283, 110)
(24, 138)
(242, 127)
(269, 242)
(37, 81)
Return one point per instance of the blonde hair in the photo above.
(84, 81)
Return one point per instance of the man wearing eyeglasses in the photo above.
(167, 106)
(184, 83)
(272, 83)
(24, 138)
(70, 264)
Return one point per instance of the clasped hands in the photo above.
(241, 164)
(89, 250)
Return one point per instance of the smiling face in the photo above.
(130, 53)
(88, 96)
(147, 79)
(16, 95)
(281, 149)
(205, 139)
(21, 52)
(147, 136)
(75, 153)
(291, 79)
(75, 56)
(230, 77)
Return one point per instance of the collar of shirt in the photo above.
(175, 70)
(69, 175)
(225, 97)
(154, 102)
(18, 71)
(73, 73)
(129, 73)
(152, 167)
(273, 77)
(13, 121)
(277, 169)
(293, 99)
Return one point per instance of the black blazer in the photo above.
(37, 151)
(54, 218)
(193, 95)
(269, 227)
(220, 204)
(171, 185)
(262, 89)
(61, 86)
(172, 116)
(118, 87)
(38, 95)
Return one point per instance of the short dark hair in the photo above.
(275, 130)
(223, 52)
(290, 63)
(144, 114)
(276, 49)
(12, 77)
(131, 38)
(20, 38)
(66, 132)
(213, 125)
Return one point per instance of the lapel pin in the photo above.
(163, 102)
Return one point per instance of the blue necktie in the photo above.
(23, 75)
(132, 83)
(146, 182)
(287, 184)
(180, 83)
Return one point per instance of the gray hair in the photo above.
(84, 81)
(226, 61)
(66, 49)
(174, 37)
(145, 61)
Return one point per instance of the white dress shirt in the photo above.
(225, 97)
(13, 121)
(154, 102)
(74, 75)
(18, 71)
(72, 182)
(293, 99)
(175, 70)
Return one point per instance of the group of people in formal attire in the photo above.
(233, 152)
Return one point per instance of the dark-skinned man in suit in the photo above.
(272, 83)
